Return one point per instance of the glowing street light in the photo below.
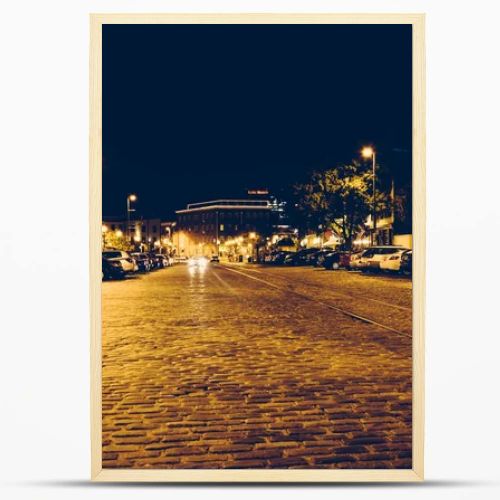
(369, 152)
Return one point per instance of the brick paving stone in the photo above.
(214, 370)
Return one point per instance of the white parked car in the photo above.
(393, 263)
(128, 263)
(372, 257)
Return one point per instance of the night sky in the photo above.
(198, 112)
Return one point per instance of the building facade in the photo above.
(228, 228)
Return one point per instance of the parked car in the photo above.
(278, 259)
(180, 259)
(337, 259)
(316, 258)
(112, 269)
(300, 258)
(371, 258)
(354, 259)
(163, 260)
(156, 261)
(406, 263)
(143, 262)
(128, 263)
(393, 263)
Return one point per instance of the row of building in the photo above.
(235, 228)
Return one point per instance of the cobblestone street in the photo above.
(245, 366)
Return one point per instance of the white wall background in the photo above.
(44, 403)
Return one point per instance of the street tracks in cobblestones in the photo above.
(350, 295)
(341, 310)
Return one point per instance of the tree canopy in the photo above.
(339, 198)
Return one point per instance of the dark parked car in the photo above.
(317, 258)
(406, 263)
(143, 262)
(336, 260)
(112, 269)
(156, 261)
(300, 258)
(278, 258)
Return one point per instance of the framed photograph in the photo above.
(257, 247)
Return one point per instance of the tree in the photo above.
(403, 210)
(112, 239)
(339, 198)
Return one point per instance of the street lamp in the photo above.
(130, 197)
(369, 152)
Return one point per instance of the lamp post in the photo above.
(130, 197)
(369, 152)
(217, 241)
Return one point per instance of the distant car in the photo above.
(371, 258)
(197, 261)
(406, 263)
(156, 261)
(163, 260)
(337, 259)
(112, 269)
(180, 259)
(127, 262)
(393, 263)
(143, 262)
(215, 258)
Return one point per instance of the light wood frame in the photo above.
(257, 475)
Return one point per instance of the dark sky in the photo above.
(196, 112)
